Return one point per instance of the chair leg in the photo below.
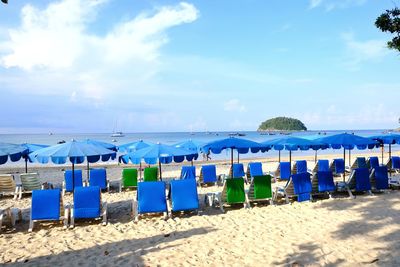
(72, 219)
(350, 194)
(370, 193)
(66, 217)
(15, 215)
(104, 213)
(31, 224)
(135, 211)
(20, 193)
(16, 192)
(1, 219)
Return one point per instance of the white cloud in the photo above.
(315, 3)
(234, 105)
(329, 5)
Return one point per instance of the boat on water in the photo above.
(117, 134)
(237, 134)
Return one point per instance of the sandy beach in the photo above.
(337, 232)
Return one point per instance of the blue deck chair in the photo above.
(255, 169)
(373, 162)
(338, 166)
(183, 195)
(208, 174)
(67, 184)
(361, 162)
(302, 186)
(238, 171)
(323, 165)
(396, 163)
(88, 205)
(151, 198)
(284, 168)
(324, 182)
(301, 166)
(98, 177)
(379, 178)
(359, 181)
(47, 205)
(188, 172)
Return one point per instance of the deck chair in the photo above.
(359, 181)
(29, 182)
(9, 214)
(372, 162)
(47, 205)
(8, 186)
(299, 185)
(359, 162)
(98, 177)
(283, 171)
(88, 205)
(394, 164)
(254, 169)
(322, 183)
(67, 183)
(379, 178)
(129, 179)
(150, 174)
(232, 193)
(322, 165)
(151, 198)
(208, 175)
(337, 167)
(183, 195)
(238, 171)
(188, 172)
(299, 166)
(260, 189)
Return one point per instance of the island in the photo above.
(282, 124)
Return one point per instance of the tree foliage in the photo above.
(390, 22)
(282, 123)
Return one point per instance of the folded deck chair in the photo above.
(232, 193)
(88, 205)
(322, 165)
(47, 205)
(260, 189)
(299, 185)
(188, 172)
(372, 162)
(150, 174)
(359, 162)
(322, 183)
(67, 183)
(151, 198)
(379, 178)
(9, 214)
(300, 166)
(98, 177)
(183, 195)
(8, 186)
(29, 182)
(254, 169)
(359, 181)
(337, 167)
(395, 164)
(129, 178)
(283, 171)
(208, 175)
(238, 171)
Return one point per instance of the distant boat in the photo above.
(114, 140)
(117, 134)
(237, 134)
(50, 133)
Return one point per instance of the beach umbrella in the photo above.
(347, 141)
(241, 145)
(190, 145)
(30, 148)
(11, 151)
(160, 153)
(101, 144)
(74, 152)
(132, 147)
(386, 139)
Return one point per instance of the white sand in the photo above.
(337, 232)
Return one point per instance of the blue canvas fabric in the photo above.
(68, 179)
(133, 146)
(302, 186)
(361, 162)
(241, 145)
(98, 177)
(255, 169)
(238, 170)
(184, 195)
(12, 151)
(285, 170)
(301, 166)
(323, 165)
(362, 179)
(188, 172)
(87, 202)
(381, 178)
(209, 173)
(373, 162)
(294, 143)
(325, 181)
(339, 165)
(46, 204)
(151, 197)
(396, 162)
(348, 141)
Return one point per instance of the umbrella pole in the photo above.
(349, 158)
(290, 160)
(279, 157)
(390, 157)
(344, 160)
(191, 162)
(159, 167)
(73, 177)
(232, 160)
(140, 170)
(26, 165)
(382, 150)
(87, 169)
(315, 158)
(238, 156)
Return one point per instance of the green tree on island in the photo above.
(390, 22)
(282, 123)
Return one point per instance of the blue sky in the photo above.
(86, 65)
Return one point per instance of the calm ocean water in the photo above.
(175, 137)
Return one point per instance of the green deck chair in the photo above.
(129, 178)
(232, 193)
(260, 189)
(150, 174)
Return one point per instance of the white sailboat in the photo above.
(117, 133)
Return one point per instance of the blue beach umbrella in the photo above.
(30, 148)
(190, 145)
(241, 145)
(133, 146)
(12, 151)
(101, 144)
(73, 151)
(348, 141)
(159, 153)
(386, 139)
